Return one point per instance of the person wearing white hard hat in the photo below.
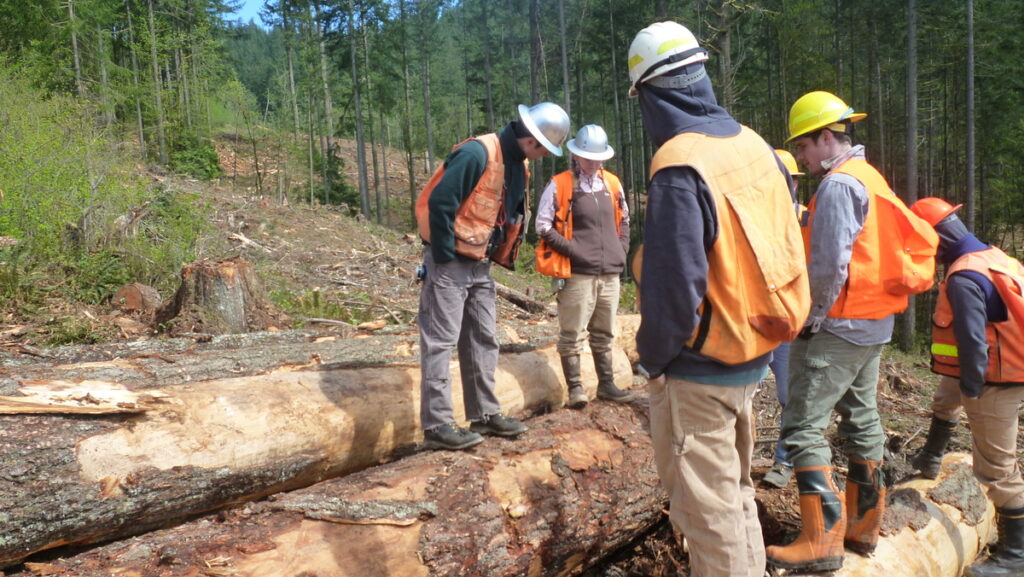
(583, 225)
(469, 214)
(723, 284)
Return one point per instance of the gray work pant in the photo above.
(457, 310)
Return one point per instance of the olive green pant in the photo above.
(826, 373)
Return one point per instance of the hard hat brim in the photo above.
(608, 153)
(524, 117)
(855, 117)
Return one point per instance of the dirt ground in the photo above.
(335, 269)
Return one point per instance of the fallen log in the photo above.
(78, 480)
(577, 486)
(932, 528)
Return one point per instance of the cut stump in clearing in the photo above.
(136, 297)
(218, 297)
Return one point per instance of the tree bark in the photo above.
(213, 442)
(161, 139)
(577, 486)
(218, 298)
(907, 319)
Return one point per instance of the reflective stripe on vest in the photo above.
(1005, 339)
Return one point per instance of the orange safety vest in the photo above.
(1005, 339)
(757, 294)
(551, 262)
(480, 211)
(874, 262)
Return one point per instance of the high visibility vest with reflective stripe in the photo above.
(1005, 339)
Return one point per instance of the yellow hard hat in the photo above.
(817, 110)
(789, 161)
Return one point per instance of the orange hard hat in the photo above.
(933, 209)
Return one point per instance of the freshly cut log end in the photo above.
(218, 297)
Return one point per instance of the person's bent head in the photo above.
(821, 128)
(541, 129)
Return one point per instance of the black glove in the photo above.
(807, 333)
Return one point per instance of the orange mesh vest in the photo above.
(555, 264)
(864, 296)
(1005, 339)
(757, 293)
(479, 213)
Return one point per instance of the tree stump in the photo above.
(136, 297)
(218, 297)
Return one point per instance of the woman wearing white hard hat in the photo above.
(583, 225)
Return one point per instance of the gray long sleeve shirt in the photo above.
(841, 208)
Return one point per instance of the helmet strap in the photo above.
(679, 80)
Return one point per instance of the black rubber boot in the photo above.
(1008, 559)
(571, 369)
(928, 461)
(606, 388)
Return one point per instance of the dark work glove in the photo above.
(970, 390)
(807, 333)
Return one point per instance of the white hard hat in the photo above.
(591, 143)
(548, 123)
(660, 48)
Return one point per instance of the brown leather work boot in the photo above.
(819, 547)
(865, 504)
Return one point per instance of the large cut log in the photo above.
(155, 363)
(934, 528)
(77, 480)
(578, 485)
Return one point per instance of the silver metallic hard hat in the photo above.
(591, 143)
(548, 123)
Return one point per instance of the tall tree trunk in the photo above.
(727, 88)
(970, 116)
(536, 55)
(426, 29)
(369, 118)
(76, 56)
(135, 78)
(328, 152)
(109, 112)
(407, 120)
(485, 30)
(288, 50)
(910, 193)
(157, 87)
(565, 58)
(357, 95)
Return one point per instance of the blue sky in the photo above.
(250, 10)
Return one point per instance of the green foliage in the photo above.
(83, 220)
(195, 156)
(71, 331)
(314, 304)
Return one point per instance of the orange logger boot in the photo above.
(819, 547)
(865, 505)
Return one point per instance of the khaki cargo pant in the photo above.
(994, 423)
(586, 310)
(946, 401)
(703, 443)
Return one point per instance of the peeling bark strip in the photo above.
(577, 486)
(933, 528)
(79, 480)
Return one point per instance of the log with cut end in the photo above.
(932, 528)
(78, 480)
(576, 486)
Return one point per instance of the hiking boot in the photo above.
(571, 369)
(819, 547)
(778, 476)
(606, 388)
(498, 425)
(1008, 558)
(865, 505)
(451, 438)
(928, 461)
